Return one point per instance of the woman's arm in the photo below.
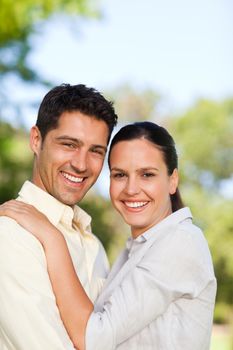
(74, 305)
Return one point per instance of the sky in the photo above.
(183, 49)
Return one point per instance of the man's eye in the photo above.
(99, 151)
(69, 145)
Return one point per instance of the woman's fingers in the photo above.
(25, 214)
(13, 207)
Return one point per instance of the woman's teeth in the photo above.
(135, 204)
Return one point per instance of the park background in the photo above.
(168, 61)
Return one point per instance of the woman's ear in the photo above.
(35, 140)
(174, 181)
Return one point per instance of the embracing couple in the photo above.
(56, 292)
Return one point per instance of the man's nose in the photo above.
(79, 161)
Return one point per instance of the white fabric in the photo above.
(29, 318)
(160, 293)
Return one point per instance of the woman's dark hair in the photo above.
(68, 98)
(160, 137)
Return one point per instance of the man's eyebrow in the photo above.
(69, 138)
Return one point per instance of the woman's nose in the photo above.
(132, 186)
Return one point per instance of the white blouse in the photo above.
(160, 293)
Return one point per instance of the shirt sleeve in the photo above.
(29, 317)
(146, 291)
(100, 272)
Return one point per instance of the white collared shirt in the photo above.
(29, 318)
(160, 293)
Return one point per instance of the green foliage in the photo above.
(15, 160)
(214, 215)
(20, 19)
(222, 313)
(204, 137)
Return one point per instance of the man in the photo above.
(69, 142)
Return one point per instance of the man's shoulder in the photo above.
(8, 225)
(13, 235)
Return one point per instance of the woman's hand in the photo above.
(29, 218)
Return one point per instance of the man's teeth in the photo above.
(135, 204)
(73, 178)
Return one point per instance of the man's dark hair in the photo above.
(69, 98)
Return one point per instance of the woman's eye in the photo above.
(118, 175)
(148, 174)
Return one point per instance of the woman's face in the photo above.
(140, 186)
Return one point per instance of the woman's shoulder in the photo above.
(180, 240)
(188, 231)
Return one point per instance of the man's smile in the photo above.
(72, 178)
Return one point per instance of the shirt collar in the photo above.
(52, 208)
(82, 220)
(173, 219)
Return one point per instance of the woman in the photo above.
(160, 292)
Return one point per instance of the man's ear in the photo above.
(174, 180)
(35, 140)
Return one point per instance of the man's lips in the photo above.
(73, 178)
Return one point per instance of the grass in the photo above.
(221, 339)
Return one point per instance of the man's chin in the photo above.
(71, 197)
(70, 200)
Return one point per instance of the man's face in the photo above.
(69, 160)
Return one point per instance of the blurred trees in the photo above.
(133, 105)
(204, 137)
(15, 160)
(20, 20)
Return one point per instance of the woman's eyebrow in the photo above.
(148, 168)
(116, 169)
